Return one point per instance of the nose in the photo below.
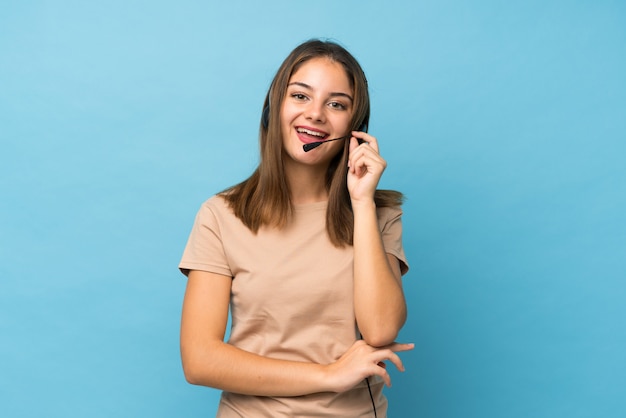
(315, 112)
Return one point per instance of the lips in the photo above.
(308, 134)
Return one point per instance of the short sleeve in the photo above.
(205, 250)
(390, 223)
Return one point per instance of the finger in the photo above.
(398, 347)
(353, 144)
(391, 356)
(366, 150)
(369, 139)
(380, 371)
(367, 162)
(395, 359)
(357, 163)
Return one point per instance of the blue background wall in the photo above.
(503, 122)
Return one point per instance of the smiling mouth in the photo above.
(309, 135)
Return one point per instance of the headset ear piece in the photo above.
(265, 117)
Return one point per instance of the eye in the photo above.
(299, 96)
(337, 105)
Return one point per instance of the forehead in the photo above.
(322, 73)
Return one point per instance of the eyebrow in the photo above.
(334, 94)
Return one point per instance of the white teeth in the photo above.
(308, 132)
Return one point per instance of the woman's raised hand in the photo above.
(365, 167)
(361, 361)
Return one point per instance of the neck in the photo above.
(307, 184)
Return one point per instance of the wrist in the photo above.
(325, 378)
(363, 205)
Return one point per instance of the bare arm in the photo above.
(379, 302)
(380, 306)
(209, 361)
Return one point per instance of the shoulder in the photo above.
(217, 204)
(215, 208)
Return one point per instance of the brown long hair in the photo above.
(264, 198)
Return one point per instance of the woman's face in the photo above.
(318, 106)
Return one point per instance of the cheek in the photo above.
(287, 112)
(342, 123)
(337, 148)
(284, 123)
(286, 119)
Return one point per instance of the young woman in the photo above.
(307, 254)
